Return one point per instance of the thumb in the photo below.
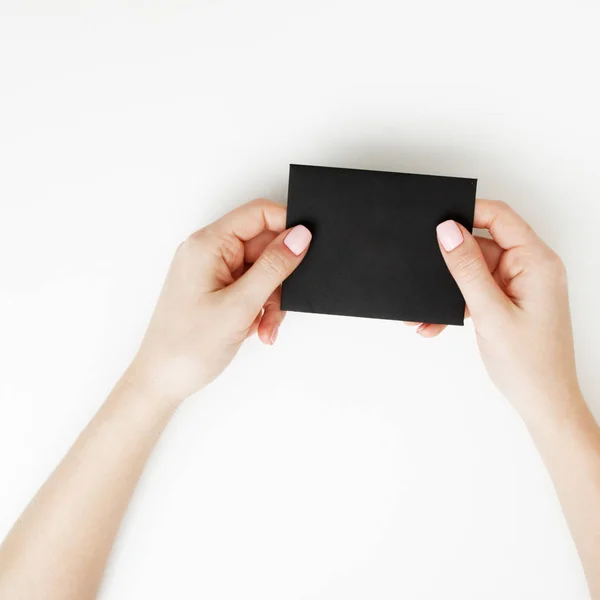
(467, 265)
(277, 261)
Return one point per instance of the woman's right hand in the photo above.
(515, 288)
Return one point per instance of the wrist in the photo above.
(145, 386)
(562, 412)
(135, 409)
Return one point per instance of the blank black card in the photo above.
(374, 251)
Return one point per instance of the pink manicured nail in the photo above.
(273, 335)
(450, 235)
(297, 239)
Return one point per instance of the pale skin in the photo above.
(222, 287)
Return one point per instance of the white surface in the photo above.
(353, 459)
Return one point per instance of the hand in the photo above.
(212, 299)
(515, 288)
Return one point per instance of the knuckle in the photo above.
(540, 262)
(194, 242)
(197, 237)
(468, 267)
(261, 202)
(273, 264)
(556, 261)
(555, 266)
(184, 247)
(517, 259)
(501, 206)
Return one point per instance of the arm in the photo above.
(210, 303)
(59, 545)
(570, 448)
(515, 289)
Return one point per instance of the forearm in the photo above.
(570, 448)
(59, 546)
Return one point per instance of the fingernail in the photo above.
(273, 335)
(450, 235)
(297, 239)
(421, 327)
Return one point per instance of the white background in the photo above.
(353, 459)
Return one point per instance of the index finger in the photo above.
(506, 227)
(251, 219)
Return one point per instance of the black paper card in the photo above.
(374, 251)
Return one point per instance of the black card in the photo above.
(374, 251)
